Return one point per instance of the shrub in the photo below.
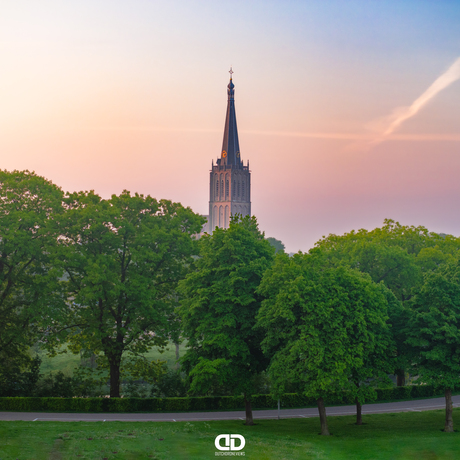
(18, 381)
(384, 394)
(55, 385)
(171, 384)
(184, 404)
(135, 389)
(402, 392)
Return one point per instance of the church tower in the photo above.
(230, 180)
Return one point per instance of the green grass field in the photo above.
(67, 362)
(411, 436)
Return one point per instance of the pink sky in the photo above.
(110, 96)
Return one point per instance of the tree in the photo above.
(28, 208)
(122, 258)
(398, 256)
(378, 254)
(219, 304)
(378, 359)
(277, 244)
(434, 332)
(325, 328)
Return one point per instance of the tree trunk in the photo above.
(115, 378)
(449, 427)
(249, 419)
(359, 416)
(400, 378)
(322, 417)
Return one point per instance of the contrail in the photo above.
(401, 114)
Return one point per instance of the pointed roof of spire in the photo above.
(230, 154)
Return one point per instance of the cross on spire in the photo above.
(231, 72)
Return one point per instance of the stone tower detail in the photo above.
(230, 180)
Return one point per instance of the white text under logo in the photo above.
(231, 445)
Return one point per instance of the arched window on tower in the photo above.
(215, 218)
(217, 188)
(226, 217)
(238, 191)
(222, 188)
(234, 188)
(227, 187)
(242, 189)
(221, 216)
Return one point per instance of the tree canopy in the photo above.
(28, 234)
(323, 327)
(123, 258)
(219, 303)
(277, 244)
(434, 332)
(398, 256)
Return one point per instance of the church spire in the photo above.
(229, 180)
(230, 146)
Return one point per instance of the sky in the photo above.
(348, 111)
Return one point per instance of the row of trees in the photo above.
(334, 321)
(114, 278)
(98, 275)
(421, 269)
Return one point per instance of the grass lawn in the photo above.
(412, 435)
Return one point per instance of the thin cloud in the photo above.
(383, 128)
(339, 136)
(357, 136)
(387, 125)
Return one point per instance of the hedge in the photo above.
(192, 404)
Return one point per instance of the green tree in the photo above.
(378, 359)
(277, 244)
(430, 259)
(325, 329)
(434, 332)
(122, 258)
(219, 305)
(382, 253)
(398, 256)
(28, 235)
